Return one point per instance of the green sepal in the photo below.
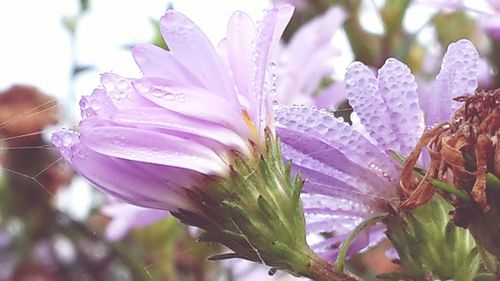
(485, 277)
(256, 212)
(488, 260)
(429, 243)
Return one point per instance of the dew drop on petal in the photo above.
(84, 104)
(142, 86)
(68, 138)
(107, 83)
(159, 93)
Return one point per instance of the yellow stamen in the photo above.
(250, 124)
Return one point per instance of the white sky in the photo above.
(35, 47)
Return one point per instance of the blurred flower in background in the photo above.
(304, 70)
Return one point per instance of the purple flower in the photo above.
(307, 59)
(349, 171)
(300, 67)
(145, 141)
(125, 217)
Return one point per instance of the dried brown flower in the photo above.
(462, 151)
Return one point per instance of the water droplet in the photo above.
(472, 84)
(142, 86)
(67, 139)
(84, 104)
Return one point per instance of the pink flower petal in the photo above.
(190, 45)
(150, 147)
(458, 77)
(156, 62)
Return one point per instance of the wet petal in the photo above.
(142, 184)
(190, 45)
(241, 34)
(458, 77)
(157, 62)
(150, 147)
(272, 28)
(313, 155)
(160, 118)
(398, 89)
(369, 106)
(193, 102)
(322, 125)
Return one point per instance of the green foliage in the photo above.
(393, 14)
(257, 213)
(158, 38)
(451, 27)
(429, 244)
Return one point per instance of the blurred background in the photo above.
(55, 226)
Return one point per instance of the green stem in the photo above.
(339, 264)
(451, 189)
(321, 270)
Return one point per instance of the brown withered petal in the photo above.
(479, 189)
(450, 151)
(421, 192)
(462, 152)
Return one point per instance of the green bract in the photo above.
(430, 245)
(256, 212)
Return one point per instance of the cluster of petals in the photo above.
(146, 140)
(350, 172)
(300, 66)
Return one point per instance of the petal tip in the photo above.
(356, 70)
(64, 140)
